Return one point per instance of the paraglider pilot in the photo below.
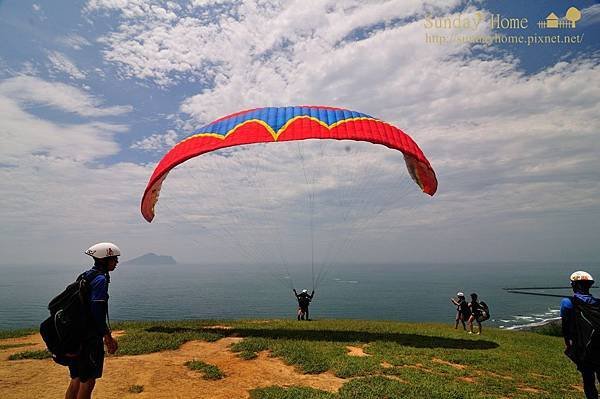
(580, 316)
(462, 310)
(304, 299)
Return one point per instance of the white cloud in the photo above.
(207, 3)
(157, 142)
(24, 135)
(28, 69)
(136, 8)
(56, 193)
(37, 9)
(214, 46)
(589, 16)
(33, 90)
(57, 207)
(508, 147)
(74, 41)
(62, 64)
(516, 154)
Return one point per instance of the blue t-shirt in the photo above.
(566, 305)
(99, 302)
(99, 287)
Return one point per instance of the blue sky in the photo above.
(93, 93)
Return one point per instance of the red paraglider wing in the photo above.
(273, 124)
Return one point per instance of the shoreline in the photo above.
(543, 326)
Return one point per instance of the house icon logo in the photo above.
(552, 21)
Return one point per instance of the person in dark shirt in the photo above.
(462, 310)
(581, 282)
(87, 367)
(304, 299)
(476, 311)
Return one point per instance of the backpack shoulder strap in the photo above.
(89, 275)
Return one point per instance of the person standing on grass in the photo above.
(462, 310)
(87, 366)
(304, 299)
(476, 313)
(580, 317)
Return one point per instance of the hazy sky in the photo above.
(92, 94)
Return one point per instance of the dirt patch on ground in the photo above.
(356, 351)
(578, 388)
(396, 378)
(470, 380)
(455, 365)
(419, 366)
(496, 375)
(162, 375)
(530, 389)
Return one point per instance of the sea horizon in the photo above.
(408, 292)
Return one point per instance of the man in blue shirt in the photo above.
(581, 282)
(86, 367)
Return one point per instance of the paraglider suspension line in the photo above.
(537, 293)
(311, 205)
(526, 291)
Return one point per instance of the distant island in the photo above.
(152, 259)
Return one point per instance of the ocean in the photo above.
(412, 292)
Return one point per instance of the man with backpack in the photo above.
(480, 312)
(580, 315)
(304, 299)
(87, 365)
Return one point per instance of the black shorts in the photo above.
(90, 362)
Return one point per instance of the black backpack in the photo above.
(303, 300)
(69, 321)
(587, 332)
(484, 312)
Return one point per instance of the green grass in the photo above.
(10, 346)
(290, 393)
(42, 354)
(148, 337)
(209, 371)
(497, 364)
(248, 355)
(136, 389)
(553, 328)
(406, 360)
(23, 332)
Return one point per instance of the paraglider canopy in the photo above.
(274, 124)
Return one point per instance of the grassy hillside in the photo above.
(389, 359)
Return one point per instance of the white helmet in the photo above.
(460, 294)
(304, 291)
(581, 276)
(103, 250)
